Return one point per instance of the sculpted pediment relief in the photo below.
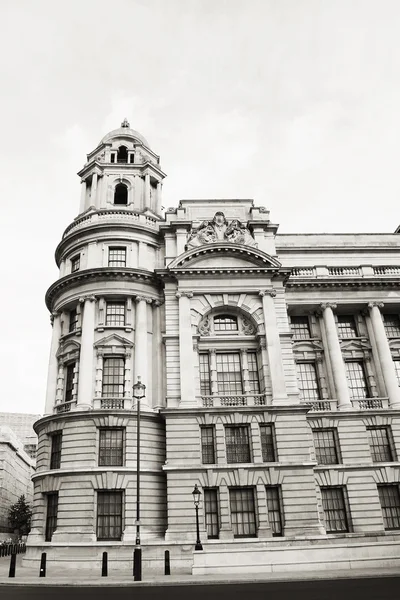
(68, 349)
(360, 344)
(220, 230)
(113, 340)
(307, 346)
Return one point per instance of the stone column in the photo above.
(94, 190)
(335, 354)
(82, 206)
(53, 363)
(141, 346)
(86, 373)
(274, 351)
(146, 190)
(213, 372)
(385, 355)
(159, 197)
(186, 356)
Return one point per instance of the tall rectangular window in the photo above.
(208, 444)
(390, 502)
(392, 325)
(204, 369)
(111, 447)
(229, 373)
(335, 509)
(55, 453)
(75, 263)
(381, 444)
(243, 514)
(268, 443)
(347, 327)
(326, 446)
(117, 256)
(69, 381)
(115, 314)
(211, 512)
(356, 379)
(274, 509)
(51, 515)
(300, 327)
(73, 320)
(237, 444)
(254, 382)
(308, 381)
(109, 515)
(113, 377)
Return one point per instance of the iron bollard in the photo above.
(137, 564)
(13, 562)
(42, 571)
(167, 566)
(104, 566)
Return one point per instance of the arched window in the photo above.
(121, 194)
(225, 323)
(122, 155)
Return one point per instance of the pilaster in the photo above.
(186, 354)
(85, 387)
(273, 347)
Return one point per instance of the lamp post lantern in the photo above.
(139, 391)
(196, 499)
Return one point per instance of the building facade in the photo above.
(271, 364)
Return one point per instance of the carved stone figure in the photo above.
(218, 230)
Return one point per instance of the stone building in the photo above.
(22, 426)
(272, 367)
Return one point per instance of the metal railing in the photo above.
(6, 549)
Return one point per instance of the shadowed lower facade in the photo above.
(271, 364)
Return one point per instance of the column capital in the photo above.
(91, 298)
(143, 299)
(53, 315)
(271, 293)
(377, 304)
(330, 305)
(180, 294)
(159, 302)
(212, 351)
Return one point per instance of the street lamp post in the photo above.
(196, 499)
(139, 390)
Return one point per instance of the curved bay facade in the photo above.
(271, 364)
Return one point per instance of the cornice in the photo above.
(89, 415)
(352, 283)
(100, 274)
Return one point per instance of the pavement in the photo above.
(68, 577)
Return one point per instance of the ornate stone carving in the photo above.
(143, 299)
(219, 230)
(90, 298)
(271, 293)
(247, 327)
(186, 294)
(204, 326)
(125, 123)
(378, 304)
(331, 305)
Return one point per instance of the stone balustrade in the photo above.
(106, 216)
(64, 407)
(233, 400)
(359, 404)
(319, 272)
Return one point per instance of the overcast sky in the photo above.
(295, 103)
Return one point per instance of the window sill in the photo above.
(127, 328)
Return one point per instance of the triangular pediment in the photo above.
(113, 340)
(353, 345)
(224, 256)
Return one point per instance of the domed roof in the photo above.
(125, 131)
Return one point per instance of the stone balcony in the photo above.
(359, 404)
(233, 400)
(124, 217)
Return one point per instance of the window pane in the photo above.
(356, 379)
(392, 325)
(397, 368)
(237, 444)
(51, 516)
(55, 456)
(325, 446)
(225, 323)
(308, 381)
(69, 382)
(334, 507)
(229, 374)
(300, 327)
(113, 377)
(347, 326)
(117, 257)
(274, 509)
(380, 443)
(111, 447)
(204, 369)
(75, 263)
(109, 515)
(211, 513)
(390, 502)
(267, 443)
(73, 320)
(208, 444)
(243, 512)
(115, 314)
(254, 382)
